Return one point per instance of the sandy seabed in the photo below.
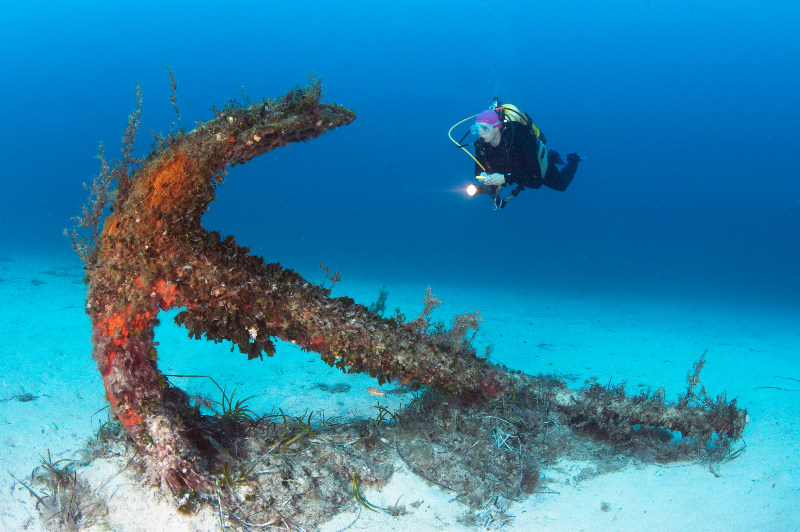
(53, 401)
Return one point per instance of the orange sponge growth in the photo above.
(127, 417)
(167, 186)
(167, 294)
(121, 325)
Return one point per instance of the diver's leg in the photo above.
(560, 180)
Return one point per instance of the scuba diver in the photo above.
(511, 150)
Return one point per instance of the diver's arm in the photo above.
(479, 158)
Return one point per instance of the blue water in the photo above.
(687, 113)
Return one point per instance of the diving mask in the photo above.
(481, 128)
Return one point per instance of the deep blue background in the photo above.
(687, 111)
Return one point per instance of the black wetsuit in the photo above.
(515, 158)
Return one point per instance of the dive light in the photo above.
(475, 190)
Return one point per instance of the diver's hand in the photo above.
(494, 179)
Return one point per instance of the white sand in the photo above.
(45, 349)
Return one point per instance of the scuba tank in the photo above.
(511, 113)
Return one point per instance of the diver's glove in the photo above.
(494, 179)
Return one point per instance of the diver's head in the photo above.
(488, 125)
